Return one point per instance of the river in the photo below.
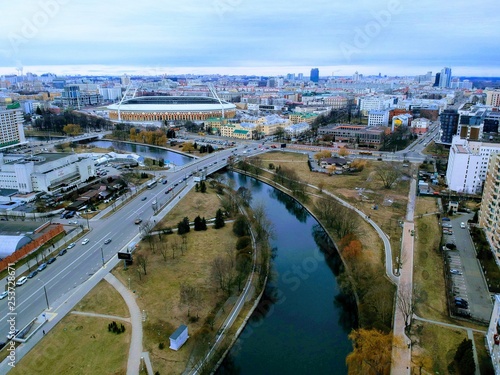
(299, 326)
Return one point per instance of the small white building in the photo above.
(179, 337)
(378, 118)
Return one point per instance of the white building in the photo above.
(378, 118)
(110, 93)
(493, 98)
(11, 127)
(47, 172)
(420, 125)
(297, 129)
(179, 337)
(468, 164)
(493, 335)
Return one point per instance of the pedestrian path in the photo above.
(101, 316)
(135, 350)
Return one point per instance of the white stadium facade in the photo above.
(161, 108)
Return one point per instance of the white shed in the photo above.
(179, 337)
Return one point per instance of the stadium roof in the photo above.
(11, 244)
(171, 104)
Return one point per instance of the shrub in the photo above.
(243, 242)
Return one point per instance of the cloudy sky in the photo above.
(393, 37)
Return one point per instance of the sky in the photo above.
(272, 37)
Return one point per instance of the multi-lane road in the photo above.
(82, 261)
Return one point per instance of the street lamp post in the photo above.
(46, 297)
(102, 257)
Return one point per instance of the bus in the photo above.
(151, 184)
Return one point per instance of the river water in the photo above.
(299, 327)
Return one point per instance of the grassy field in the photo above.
(78, 345)
(485, 365)
(159, 290)
(428, 264)
(103, 299)
(437, 343)
(203, 204)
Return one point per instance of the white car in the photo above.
(21, 280)
(85, 241)
(4, 294)
(462, 225)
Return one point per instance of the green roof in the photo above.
(241, 131)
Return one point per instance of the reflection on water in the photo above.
(298, 327)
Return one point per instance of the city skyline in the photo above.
(237, 37)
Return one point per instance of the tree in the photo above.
(188, 147)
(388, 174)
(183, 226)
(337, 217)
(352, 250)
(164, 248)
(197, 223)
(240, 226)
(189, 295)
(142, 262)
(219, 219)
(72, 129)
(372, 351)
(222, 273)
(245, 195)
(343, 152)
(322, 155)
(404, 301)
(203, 187)
(243, 242)
(464, 358)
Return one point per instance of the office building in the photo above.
(445, 78)
(378, 118)
(314, 75)
(449, 125)
(11, 127)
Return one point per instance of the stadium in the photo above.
(161, 108)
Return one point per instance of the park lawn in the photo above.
(158, 291)
(437, 342)
(78, 345)
(426, 205)
(103, 299)
(193, 204)
(428, 274)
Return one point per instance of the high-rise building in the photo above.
(493, 98)
(489, 214)
(300, 76)
(11, 127)
(436, 80)
(314, 75)
(449, 125)
(445, 77)
(125, 80)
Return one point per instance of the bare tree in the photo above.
(264, 228)
(404, 301)
(388, 174)
(142, 262)
(337, 217)
(175, 245)
(222, 273)
(189, 295)
(164, 249)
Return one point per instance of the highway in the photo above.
(81, 262)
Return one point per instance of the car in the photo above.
(51, 260)
(138, 221)
(461, 304)
(85, 241)
(144, 198)
(4, 294)
(62, 252)
(167, 191)
(462, 225)
(164, 182)
(32, 274)
(73, 222)
(445, 219)
(22, 280)
(41, 267)
(71, 245)
(107, 241)
(455, 272)
(176, 184)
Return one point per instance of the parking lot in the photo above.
(468, 290)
